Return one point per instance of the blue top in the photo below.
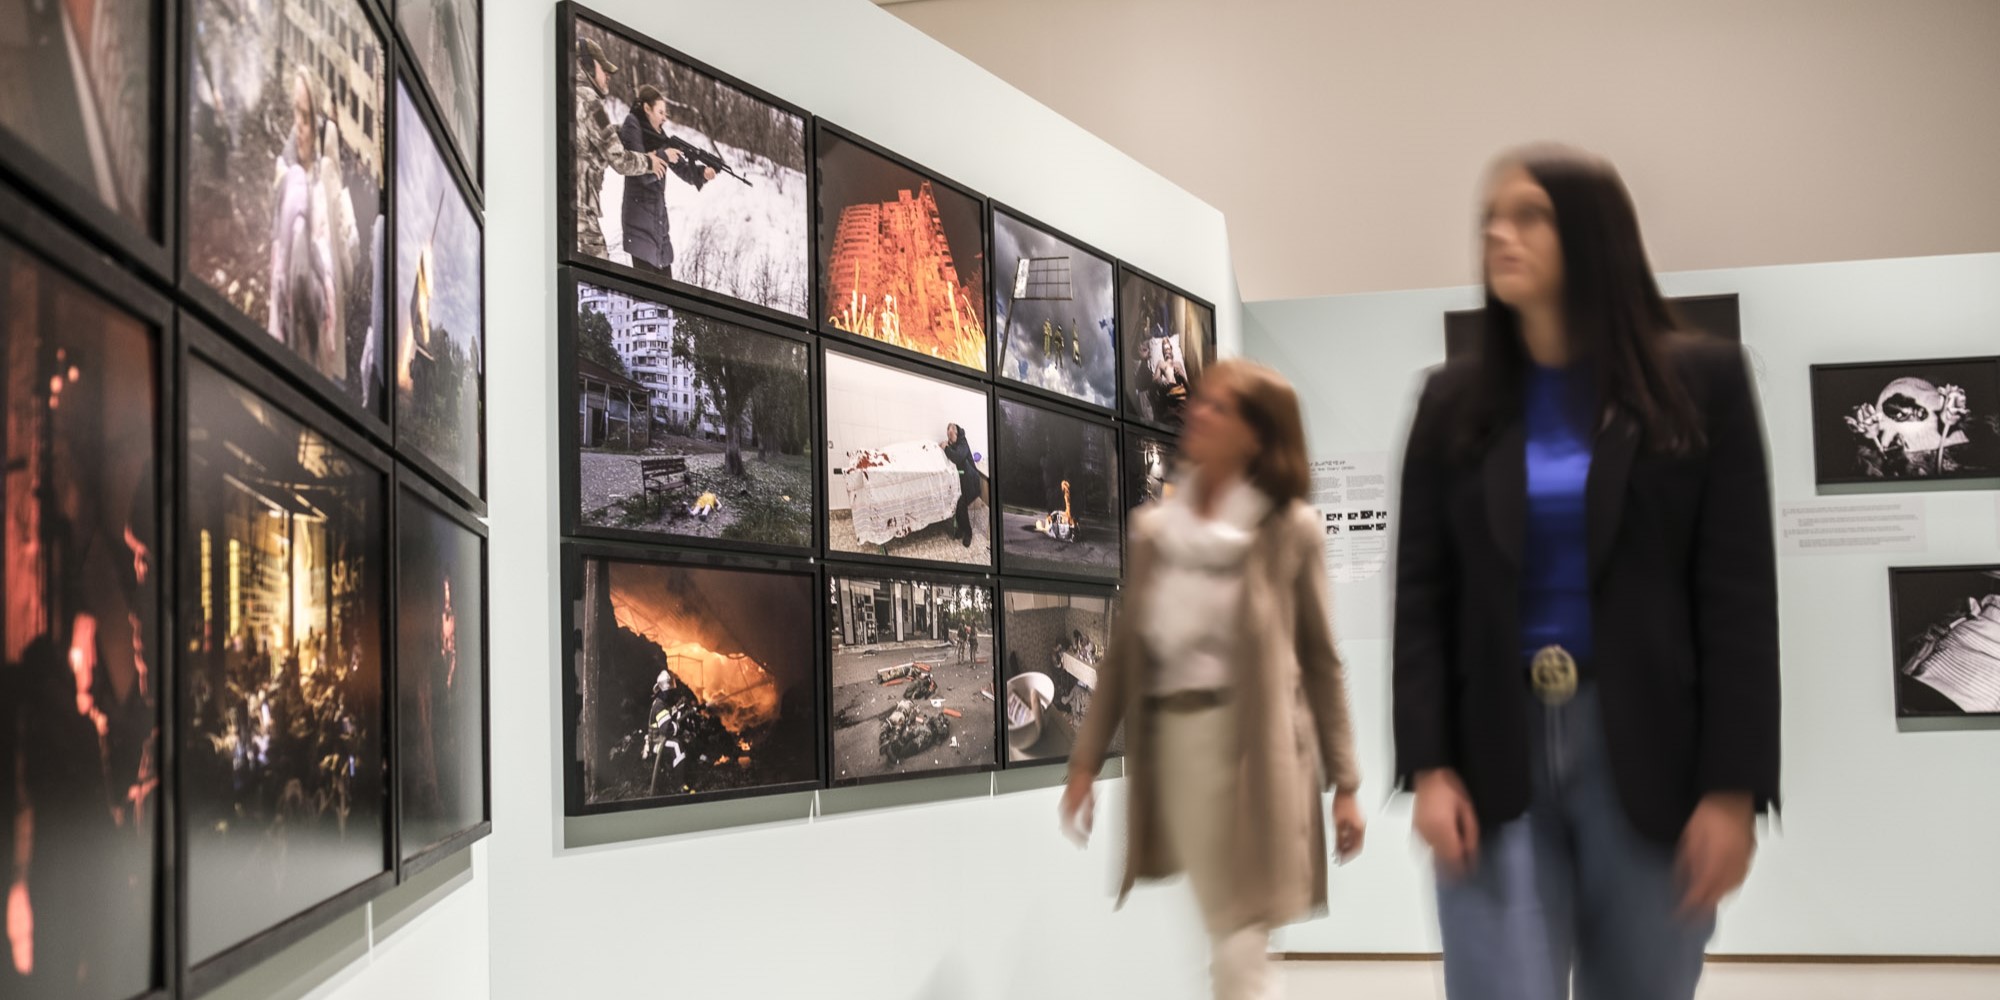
(1555, 578)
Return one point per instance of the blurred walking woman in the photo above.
(1586, 638)
(1222, 669)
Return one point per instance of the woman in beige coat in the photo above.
(1222, 670)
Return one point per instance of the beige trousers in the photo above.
(1197, 776)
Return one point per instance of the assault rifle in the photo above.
(693, 154)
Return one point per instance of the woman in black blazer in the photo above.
(1586, 638)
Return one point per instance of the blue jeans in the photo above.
(1569, 887)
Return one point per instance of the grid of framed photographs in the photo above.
(842, 444)
(245, 675)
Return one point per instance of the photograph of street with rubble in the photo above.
(913, 688)
(1055, 644)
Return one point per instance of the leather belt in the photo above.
(1553, 675)
(1185, 702)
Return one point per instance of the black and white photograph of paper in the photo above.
(1907, 421)
(1053, 309)
(1947, 624)
(912, 676)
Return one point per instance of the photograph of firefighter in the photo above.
(79, 697)
(440, 332)
(1169, 339)
(76, 87)
(1053, 306)
(684, 176)
(694, 680)
(1906, 420)
(284, 567)
(440, 674)
(1058, 492)
(690, 425)
(903, 253)
(912, 677)
(908, 464)
(1055, 641)
(444, 37)
(286, 116)
(1947, 625)
(1149, 468)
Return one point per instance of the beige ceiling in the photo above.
(1344, 139)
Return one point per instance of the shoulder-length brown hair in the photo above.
(1270, 405)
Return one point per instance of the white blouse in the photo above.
(1190, 621)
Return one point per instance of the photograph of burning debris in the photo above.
(908, 465)
(1947, 625)
(912, 677)
(682, 176)
(1906, 420)
(1055, 643)
(694, 680)
(76, 86)
(284, 560)
(690, 426)
(903, 254)
(1058, 488)
(444, 36)
(1053, 306)
(440, 332)
(287, 108)
(440, 675)
(1169, 339)
(1149, 468)
(80, 794)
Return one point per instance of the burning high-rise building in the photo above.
(892, 277)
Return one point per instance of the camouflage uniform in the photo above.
(597, 147)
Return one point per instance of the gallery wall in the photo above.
(1884, 844)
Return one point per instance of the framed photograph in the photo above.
(694, 677)
(442, 736)
(443, 38)
(440, 313)
(1058, 492)
(1052, 639)
(82, 794)
(1946, 621)
(1716, 315)
(679, 175)
(1169, 338)
(902, 253)
(1906, 421)
(912, 666)
(1150, 466)
(87, 87)
(283, 731)
(1055, 312)
(283, 221)
(909, 463)
(689, 424)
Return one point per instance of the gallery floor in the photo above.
(1724, 981)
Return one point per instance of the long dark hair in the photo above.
(1614, 315)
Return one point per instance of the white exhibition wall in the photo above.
(1885, 844)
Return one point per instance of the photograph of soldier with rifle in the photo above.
(687, 178)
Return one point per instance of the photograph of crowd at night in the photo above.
(912, 677)
(80, 795)
(693, 680)
(440, 321)
(284, 566)
(440, 674)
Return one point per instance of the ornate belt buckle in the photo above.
(1553, 674)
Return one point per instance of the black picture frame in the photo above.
(151, 248)
(1063, 588)
(1830, 430)
(568, 13)
(1912, 615)
(573, 556)
(1014, 564)
(471, 162)
(1716, 315)
(1128, 409)
(569, 434)
(472, 495)
(200, 344)
(824, 130)
(215, 311)
(414, 489)
(60, 248)
(998, 338)
(1131, 436)
(836, 570)
(908, 365)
